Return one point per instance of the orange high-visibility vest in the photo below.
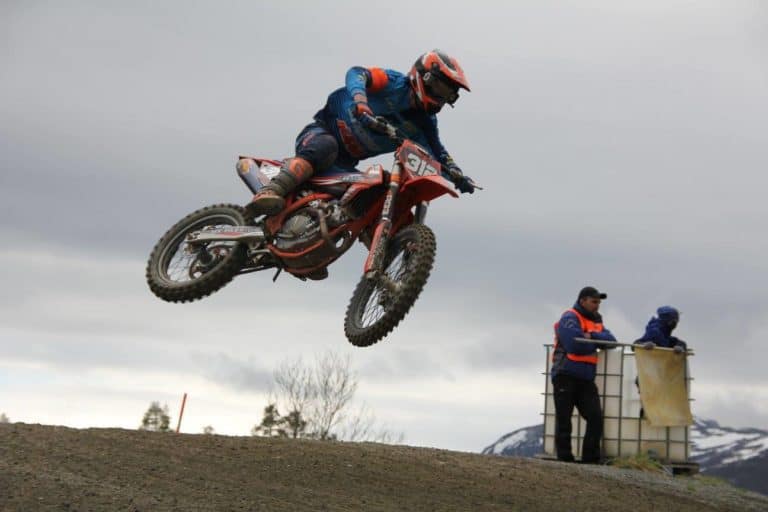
(587, 325)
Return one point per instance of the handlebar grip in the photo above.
(378, 124)
(381, 125)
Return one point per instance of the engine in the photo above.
(299, 231)
(302, 229)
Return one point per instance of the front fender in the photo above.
(415, 191)
(424, 188)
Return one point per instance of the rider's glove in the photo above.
(648, 345)
(361, 106)
(678, 349)
(463, 184)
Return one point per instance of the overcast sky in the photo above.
(620, 144)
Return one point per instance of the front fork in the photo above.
(375, 262)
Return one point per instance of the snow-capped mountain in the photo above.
(715, 446)
(524, 442)
(737, 455)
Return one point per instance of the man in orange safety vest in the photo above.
(573, 371)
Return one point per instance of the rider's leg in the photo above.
(316, 150)
(271, 199)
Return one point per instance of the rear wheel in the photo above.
(178, 271)
(378, 305)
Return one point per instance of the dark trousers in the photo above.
(569, 392)
(317, 145)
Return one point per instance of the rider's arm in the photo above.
(451, 171)
(433, 139)
(360, 81)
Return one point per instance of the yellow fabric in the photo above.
(662, 387)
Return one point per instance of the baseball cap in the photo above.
(591, 291)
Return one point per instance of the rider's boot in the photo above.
(270, 200)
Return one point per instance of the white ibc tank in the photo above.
(625, 433)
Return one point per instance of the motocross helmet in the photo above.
(436, 79)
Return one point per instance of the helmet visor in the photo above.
(439, 89)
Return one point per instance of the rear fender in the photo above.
(260, 161)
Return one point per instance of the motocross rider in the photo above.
(341, 133)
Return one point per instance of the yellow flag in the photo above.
(662, 387)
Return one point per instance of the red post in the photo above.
(181, 413)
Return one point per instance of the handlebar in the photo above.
(453, 176)
(381, 125)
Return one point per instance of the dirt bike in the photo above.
(321, 220)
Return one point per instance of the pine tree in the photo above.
(156, 419)
(297, 426)
(271, 423)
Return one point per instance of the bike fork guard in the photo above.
(374, 263)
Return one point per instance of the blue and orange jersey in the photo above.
(388, 94)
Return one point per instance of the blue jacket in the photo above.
(389, 95)
(660, 332)
(568, 328)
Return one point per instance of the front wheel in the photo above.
(378, 305)
(178, 271)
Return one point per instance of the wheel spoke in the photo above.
(183, 266)
(373, 310)
(380, 298)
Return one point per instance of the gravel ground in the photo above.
(58, 468)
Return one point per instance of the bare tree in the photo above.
(208, 430)
(319, 399)
(294, 383)
(335, 385)
(362, 426)
(4, 418)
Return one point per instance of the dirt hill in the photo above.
(57, 468)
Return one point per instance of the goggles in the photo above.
(439, 89)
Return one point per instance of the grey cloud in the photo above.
(620, 146)
(241, 375)
(744, 411)
(406, 364)
(74, 354)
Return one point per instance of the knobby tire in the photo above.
(422, 251)
(211, 281)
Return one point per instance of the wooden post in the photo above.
(181, 413)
